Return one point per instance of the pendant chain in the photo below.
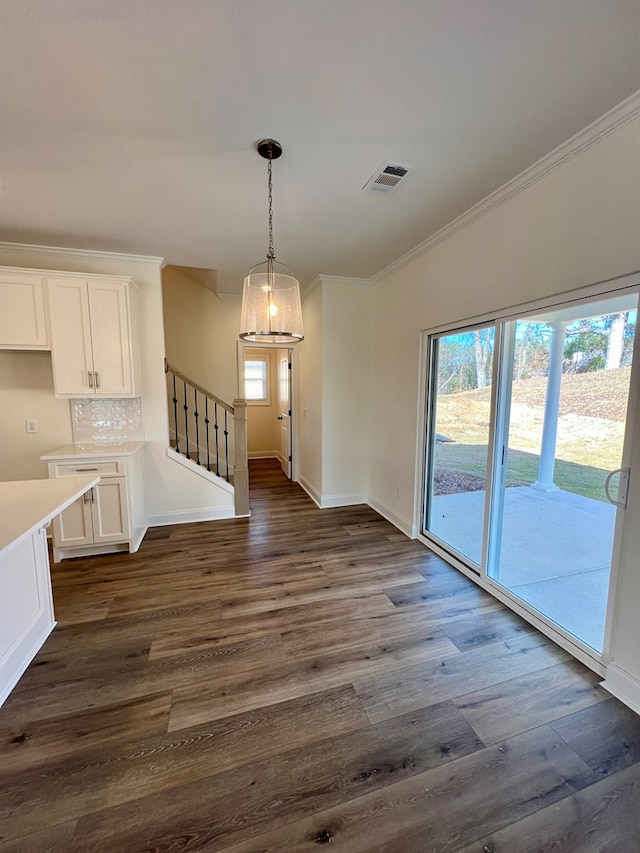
(270, 254)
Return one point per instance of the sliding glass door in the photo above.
(461, 369)
(524, 481)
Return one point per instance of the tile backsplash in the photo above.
(106, 420)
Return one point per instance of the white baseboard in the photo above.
(263, 454)
(331, 501)
(403, 524)
(623, 686)
(315, 496)
(188, 516)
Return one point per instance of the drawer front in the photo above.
(112, 468)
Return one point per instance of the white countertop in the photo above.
(28, 505)
(93, 451)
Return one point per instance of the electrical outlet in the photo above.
(31, 427)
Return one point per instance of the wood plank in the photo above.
(77, 686)
(440, 810)
(606, 736)
(603, 818)
(488, 628)
(520, 704)
(234, 691)
(404, 690)
(54, 839)
(102, 778)
(32, 746)
(264, 795)
(189, 632)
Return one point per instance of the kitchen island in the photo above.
(26, 603)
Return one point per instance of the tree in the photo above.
(482, 351)
(615, 340)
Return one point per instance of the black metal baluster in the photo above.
(196, 415)
(215, 424)
(186, 419)
(175, 412)
(226, 445)
(206, 420)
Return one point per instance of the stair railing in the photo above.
(210, 432)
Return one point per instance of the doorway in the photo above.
(525, 481)
(266, 377)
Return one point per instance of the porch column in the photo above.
(551, 410)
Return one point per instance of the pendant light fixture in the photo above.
(271, 310)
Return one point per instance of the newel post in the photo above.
(241, 465)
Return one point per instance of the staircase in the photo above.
(210, 433)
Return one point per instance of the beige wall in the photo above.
(263, 427)
(310, 355)
(172, 492)
(201, 333)
(347, 391)
(578, 225)
(335, 390)
(26, 392)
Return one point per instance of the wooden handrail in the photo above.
(170, 368)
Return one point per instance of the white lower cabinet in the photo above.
(107, 518)
(100, 516)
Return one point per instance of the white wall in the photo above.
(577, 225)
(26, 392)
(172, 492)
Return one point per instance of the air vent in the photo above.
(387, 178)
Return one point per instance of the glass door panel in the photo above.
(460, 379)
(560, 430)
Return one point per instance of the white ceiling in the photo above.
(129, 125)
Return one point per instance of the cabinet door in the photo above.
(74, 526)
(70, 338)
(111, 338)
(22, 317)
(110, 514)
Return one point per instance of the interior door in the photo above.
(284, 410)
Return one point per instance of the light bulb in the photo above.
(273, 309)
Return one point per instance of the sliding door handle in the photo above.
(623, 487)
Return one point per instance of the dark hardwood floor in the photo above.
(303, 678)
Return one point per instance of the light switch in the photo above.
(31, 427)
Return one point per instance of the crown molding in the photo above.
(607, 124)
(59, 251)
(343, 279)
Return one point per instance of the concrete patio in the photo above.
(555, 552)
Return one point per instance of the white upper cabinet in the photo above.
(92, 337)
(22, 311)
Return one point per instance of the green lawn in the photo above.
(522, 469)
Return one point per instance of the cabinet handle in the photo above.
(85, 498)
(97, 379)
(86, 469)
(93, 497)
(90, 375)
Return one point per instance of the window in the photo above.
(256, 379)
